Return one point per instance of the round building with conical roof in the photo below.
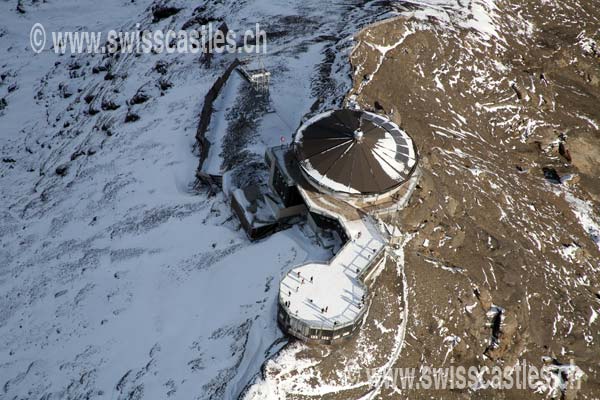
(352, 153)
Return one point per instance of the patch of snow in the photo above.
(589, 220)
(587, 44)
(590, 121)
(593, 317)
(568, 252)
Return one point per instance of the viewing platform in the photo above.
(326, 301)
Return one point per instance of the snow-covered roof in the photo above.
(354, 152)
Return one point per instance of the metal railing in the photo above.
(311, 332)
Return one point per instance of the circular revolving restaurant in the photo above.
(355, 154)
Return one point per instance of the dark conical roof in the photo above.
(354, 152)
